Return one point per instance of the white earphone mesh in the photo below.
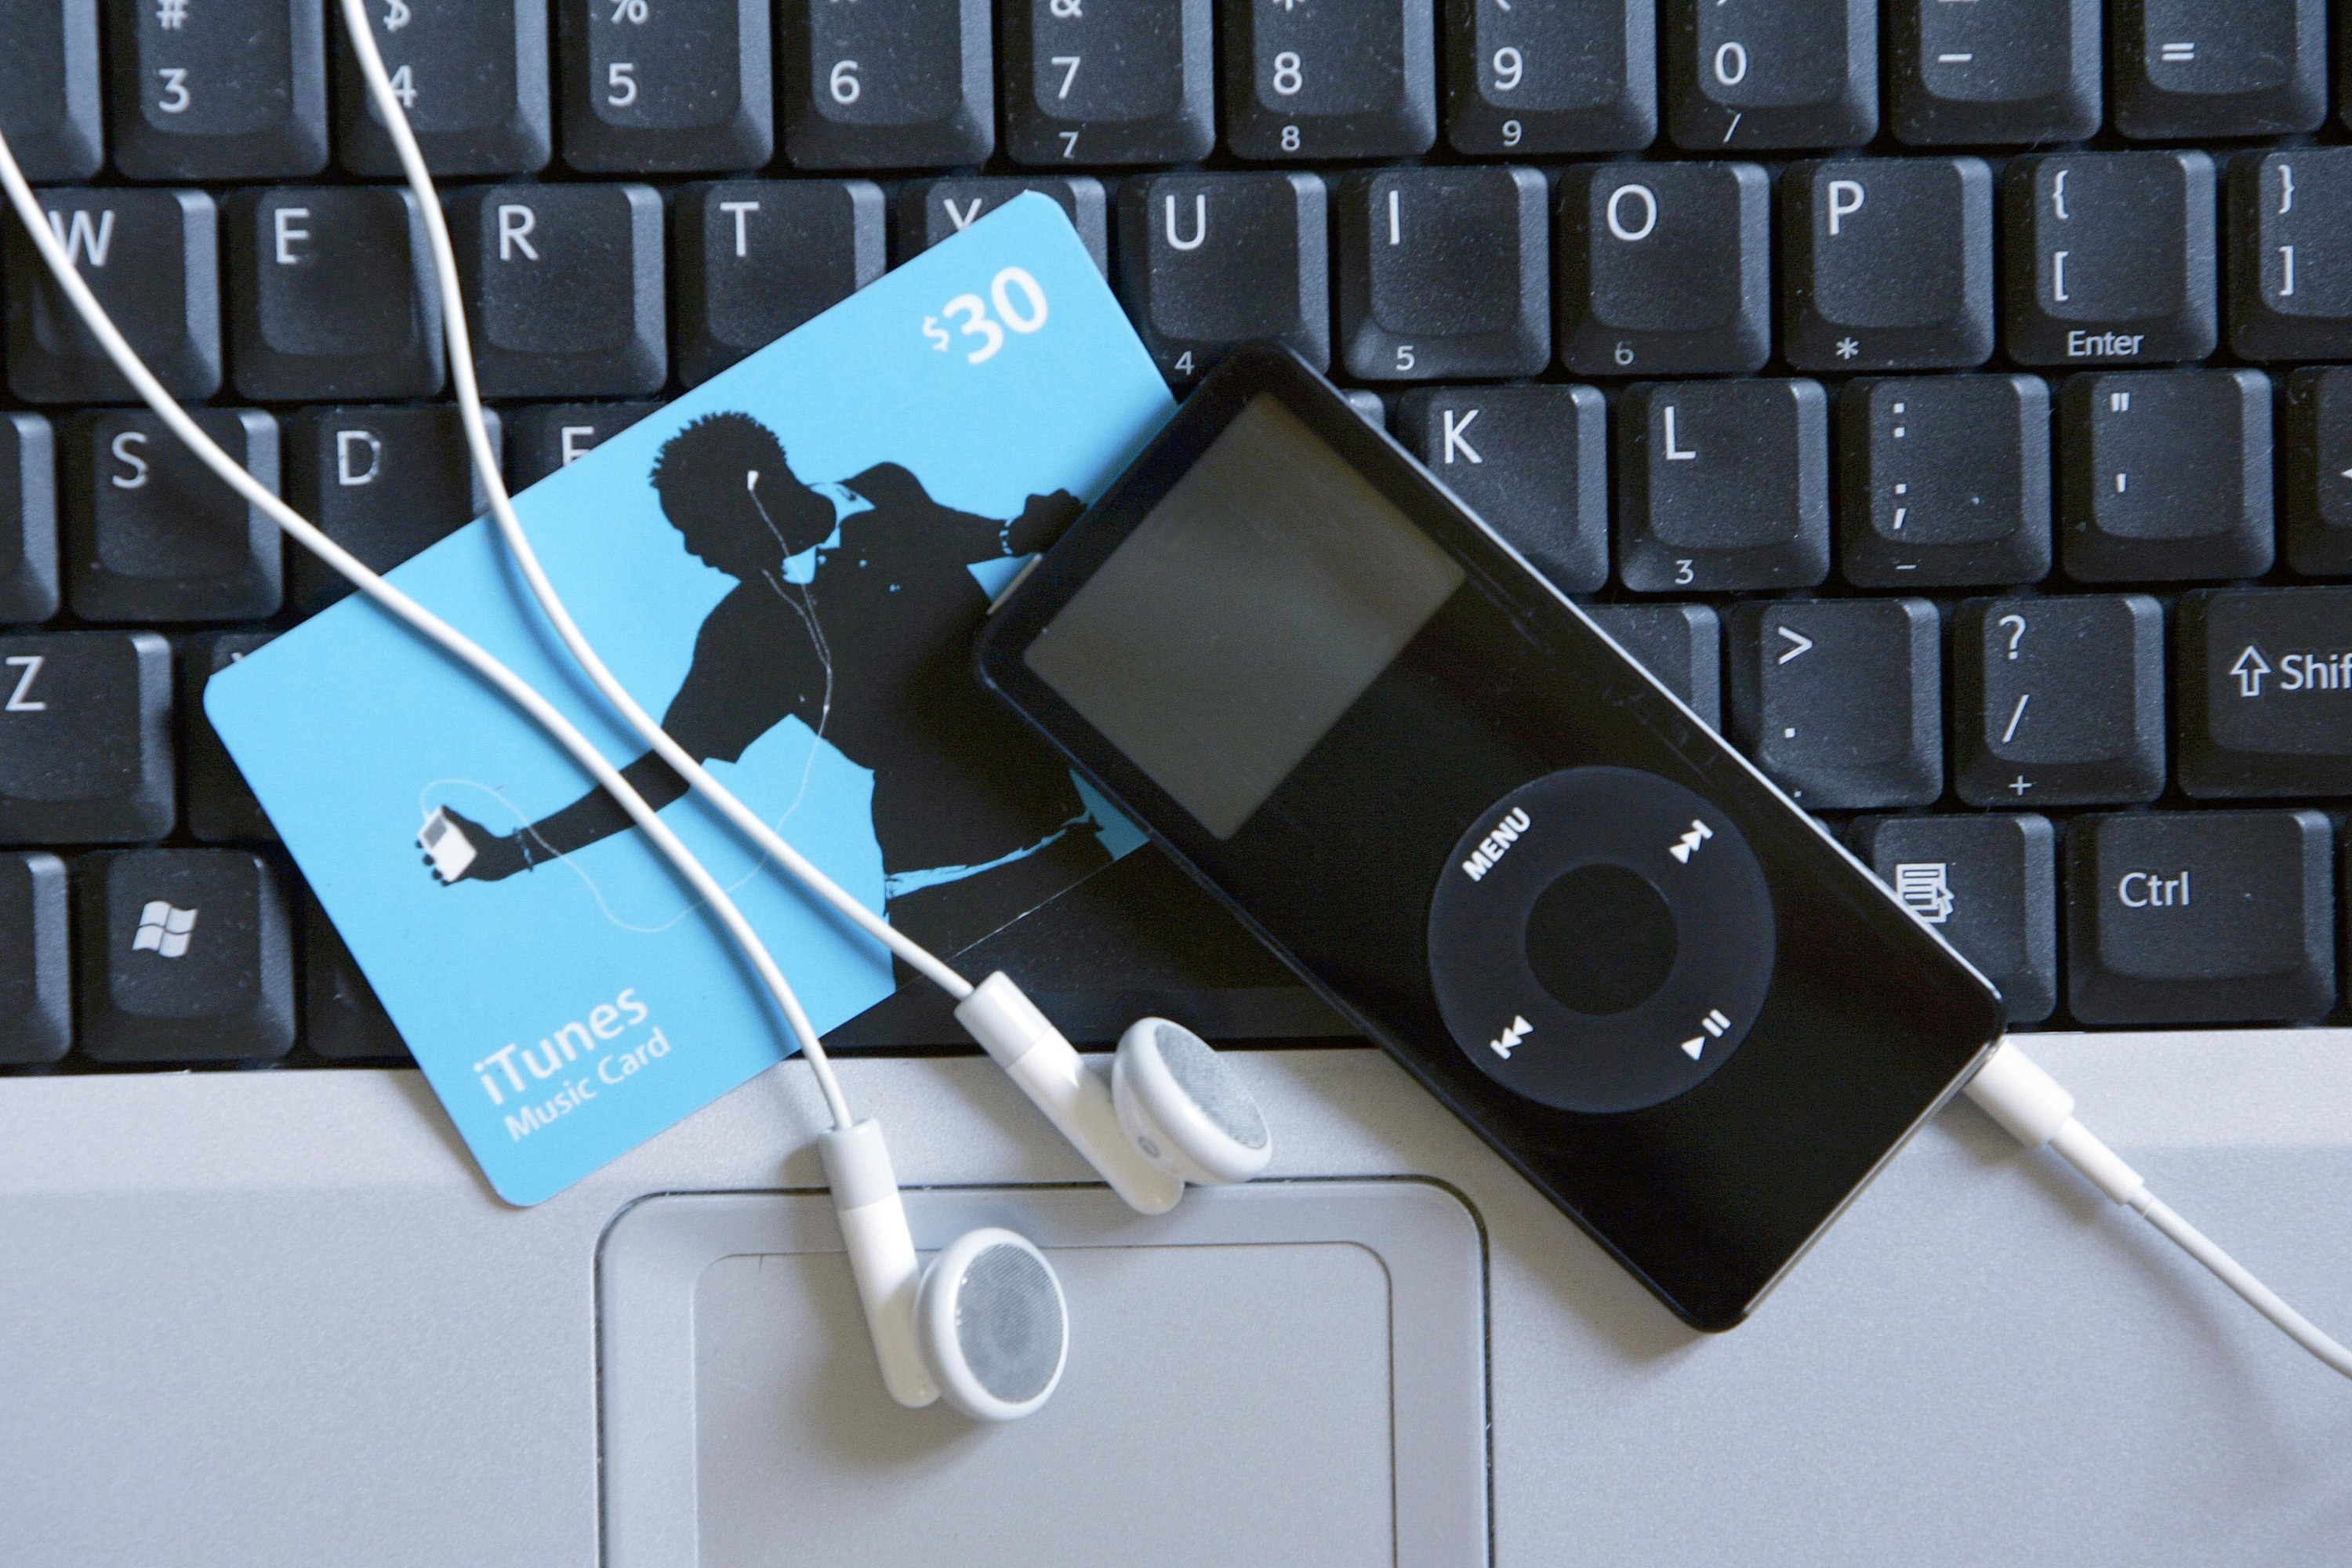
(1203, 1074)
(1009, 1324)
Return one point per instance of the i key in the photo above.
(471, 76)
(1088, 81)
(553, 435)
(1329, 78)
(36, 958)
(1534, 77)
(665, 87)
(2219, 67)
(757, 257)
(2291, 253)
(1723, 486)
(2165, 475)
(1946, 480)
(220, 805)
(1665, 269)
(1443, 272)
(2058, 701)
(2209, 917)
(153, 259)
(49, 88)
(331, 294)
(1842, 701)
(1770, 73)
(383, 483)
(1886, 264)
(2266, 693)
(887, 83)
(85, 737)
(1682, 645)
(2317, 470)
(151, 534)
(184, 955)
(341, 1019)
(1990, 887)
(1533, 461)
(932, 210)
(563, 286)
(1207, 262)
(1971, 74)
(28, 519)
(218, 89)
(2109, 257)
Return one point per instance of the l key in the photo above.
(218, 89)
(85, 737)
(887, 83)
(1128, 83)
(1723, 486)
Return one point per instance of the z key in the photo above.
(85, 737)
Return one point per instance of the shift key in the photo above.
(2265, 692)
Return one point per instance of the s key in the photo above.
(1088, 81)
(2058, 701)
(151, 534)
(887, 83)
(2266, 693)
(1743, 74)
(665, 87)
(218, 89)
(85, 737)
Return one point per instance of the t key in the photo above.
(331, 294)
(563, 286)
(887, 83)
(184, 955)
(218, 89)
(1442, 273)
(757, 257)
(1723, 486)
(1534, 77)
(1886, 263)
(665, 87)
(471, 76)
(28, 519)
(1207, 262)
(1099, 83)
(2058, 701)
(153, 259)
(2266, 693)
(383, 483)
(2109, 257)
(1770, 73)
(1966, 75)
(1946, 480)
(85, 737)
(1533, 461)
(2165, 475)
(1665, 269)
(2219, 67)
(1842, 701)
(49, 88)
(2291, 253)
(1329, 78)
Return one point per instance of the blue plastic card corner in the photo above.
(789, 563)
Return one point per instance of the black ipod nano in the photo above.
(1487, 836)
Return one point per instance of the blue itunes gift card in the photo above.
(788, 565)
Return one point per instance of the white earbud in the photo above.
(983, 1325)
(1173, 1112)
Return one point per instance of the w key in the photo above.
(665, 87)
(2266, 693)
(218, 89)
(85, 737)
(153, 259)
(2058, 701)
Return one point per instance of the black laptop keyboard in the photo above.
(1936, 395)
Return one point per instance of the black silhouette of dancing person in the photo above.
(977, 822)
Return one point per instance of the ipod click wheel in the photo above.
(1600, 939)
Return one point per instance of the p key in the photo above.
(85, 737)
(1133, 82)
(218, 89)
(666, 86)
(1886, 263)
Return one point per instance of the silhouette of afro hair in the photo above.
(699, 473)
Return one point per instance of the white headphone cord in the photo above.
(486, 464)
(516, 690)
(2035, 1109)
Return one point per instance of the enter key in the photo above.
(2265, 692)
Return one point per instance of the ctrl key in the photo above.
(183, 955)
(2211, 917)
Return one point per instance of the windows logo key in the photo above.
(163, 929)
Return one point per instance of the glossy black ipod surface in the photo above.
(1587, 925)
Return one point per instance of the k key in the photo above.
(184, 955)
(153, 259)
(1527, 78)
(1841, 700)
(383, 483)
(331, 294)
(1665, 269)
(2266, 693)
(563, 284)
(471, 76)
(1946, 480)
(2058, 701)
(2109, 257)
(887, 83)
(1969, 74)
(28, 519)
(757, 257)
(665, 87)
(1091, 82)
(1744, 74)
(85, 737)
(1442, 273)
(2165, 475)
(1533, 461)
(2291, 253)
(218, 89)
(2217, 68)
(1886, 263)
(1207, 262)
(151, 534)
(49, 88)
(1329, 78)
(1723, 486)
(36, 958)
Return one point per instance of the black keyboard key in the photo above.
(341, 1019)
(1533, 461)
(2266, 693)
(1723, 486)
(220, 805)
(383, 483)
(2058, 701)
(932, 210)
(85, 737)
(1945, 481)
(184, 955)
(49, 88)
(153, 259)
(1665, 269)
(1743, 74)
(1329, 78)
(563, 289)
(2211, 917)
(36, 960)
(1529, 78)
(1682, 645)
(1443, 272)
(1841, 700)
(2317, 470)
(2165, 475)
(151, 534)
(28, 519)
(2217, 68)
(471, 76)
(887, 83)
(2109, 257)
(218, 89)
(665, 87)
(1990, 887)
(1960, 73)
(553, 435)
(1207, 262)
(2291, 253)
(1886, 264)
(331, 294)
(757, 257)
(1132, 83)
